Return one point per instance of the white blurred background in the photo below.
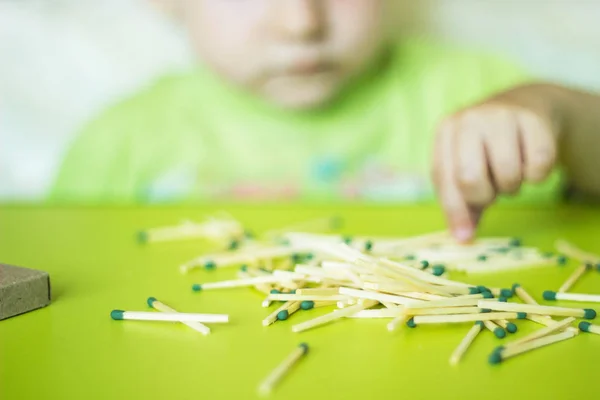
(62, 61)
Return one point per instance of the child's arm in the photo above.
(516, 137)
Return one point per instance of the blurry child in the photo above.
(319, 100)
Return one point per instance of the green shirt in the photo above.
(195, 137)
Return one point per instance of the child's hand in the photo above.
(489, 150)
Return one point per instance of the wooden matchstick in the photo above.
(500, 355)
(465, 343)
(324, 319)
(575, 276)
(278, 373)
(586, 313)
(459, 318)
(554, 327)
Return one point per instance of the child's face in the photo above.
(295, 53)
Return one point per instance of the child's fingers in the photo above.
(503, 150)
(539, 147)
(472, 170)
(460, 219)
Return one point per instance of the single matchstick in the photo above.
(580, 297)
(459, 318)
(586, 313)
(575, 276)
(332, 316)
(397, 322)
(278, 373)
(305, 297)
(168, 317)
(573, 251)
(500, 355)
(551, 328)
(454, 302)
(495, 329)
(157, 305)
(506, 325)
(465, 343)
(274, 316)
(257, 280)
(523, 295)
(381, 297)
(587, 327)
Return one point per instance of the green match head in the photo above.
(347, 239)
(515, 242)
(495, 358)
(424, 264)
(515, 286)
(274, 291)
(521, 315)
(234, 244)
(588, 313)
(210, 265)
(307, 305)
(304, 347)
(117, 314)
(511, 328)
(411, 323)
(502, 299)
(483, 289)
(486, 310)
(487, 295)
(151, 301)
(410, 257)
(500, 333)
(482, 257)
(438, 270)
(196, 287)
(548, 254)
(293, 291)
(474, 290)
(480, 323)
(499, 349)
(549, 295)
(598, 267)
(249, 235)
(584, 326)
(283, 315)
(368, 245)
(244, 268)
(508, 293)
(296, 258)
(142, 237)
(562, 260)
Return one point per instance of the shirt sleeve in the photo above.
(98, 167)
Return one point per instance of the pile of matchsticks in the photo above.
(405, 280)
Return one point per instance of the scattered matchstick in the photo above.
(586, 313)
(278, 373)
(494, 328)
(523, 295)
(572, 251)
(500, 355)
(508, 326)
(575, 276)
(159, 306)
(551, 328)
(580, 297)
(168, 317)
(324, 319)
(459, 318)
(587, 327)
(465, 343)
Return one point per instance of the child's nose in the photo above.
(300, 19)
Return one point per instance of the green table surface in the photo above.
(73, 350)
